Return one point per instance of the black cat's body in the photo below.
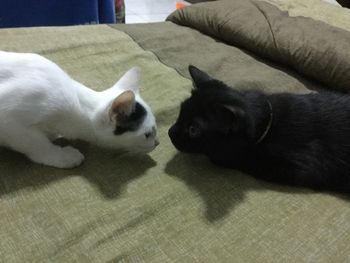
(308, 143)
(285, 138)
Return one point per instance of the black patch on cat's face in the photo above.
(131, 122)
(212, 117)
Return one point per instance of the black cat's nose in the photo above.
(171, 131)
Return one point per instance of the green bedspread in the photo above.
(166, 206)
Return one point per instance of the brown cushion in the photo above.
(313, 48)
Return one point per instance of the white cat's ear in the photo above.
(122, 106)
(130, 80)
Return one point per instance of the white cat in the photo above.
(40, 102)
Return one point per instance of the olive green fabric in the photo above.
(165, 206)
(238, 68)
(316, 9)
(313, 48)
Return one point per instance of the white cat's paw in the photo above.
(65, 157)
(69, 158)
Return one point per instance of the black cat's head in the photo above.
(214, 117)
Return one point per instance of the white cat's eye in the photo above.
(193, 131)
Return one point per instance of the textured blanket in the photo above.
(165, 206)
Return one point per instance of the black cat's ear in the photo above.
(234, 117)
(235, 111)
(238, 120)
(199, 77)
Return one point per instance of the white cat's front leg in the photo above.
(60, 157)
(37, 147)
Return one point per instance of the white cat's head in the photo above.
(124, 120)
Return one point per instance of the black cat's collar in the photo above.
(268, 127)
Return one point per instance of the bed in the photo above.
(168, 206)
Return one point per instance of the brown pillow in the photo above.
(313, 48)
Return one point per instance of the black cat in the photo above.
(285, 138)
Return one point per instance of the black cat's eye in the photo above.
(194, 131)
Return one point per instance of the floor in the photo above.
(146, 11)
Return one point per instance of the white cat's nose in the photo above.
(156, 142)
